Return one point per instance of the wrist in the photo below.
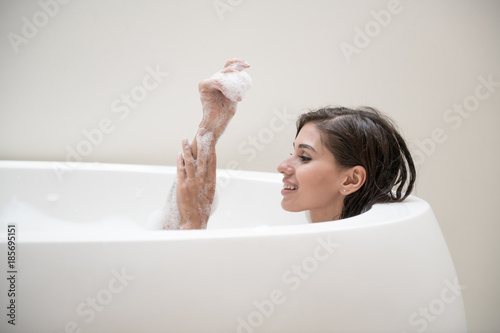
(204, 130)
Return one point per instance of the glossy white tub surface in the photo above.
(86, 263)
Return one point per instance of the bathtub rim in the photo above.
(413, 205)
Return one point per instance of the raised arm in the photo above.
(196, 166)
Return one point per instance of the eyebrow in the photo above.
(302, 145)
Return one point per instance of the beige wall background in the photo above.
(71, 70)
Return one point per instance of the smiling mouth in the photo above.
(289, 187)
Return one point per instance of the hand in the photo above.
(217, 108)
(196, 182)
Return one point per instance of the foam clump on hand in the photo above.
(234, 81)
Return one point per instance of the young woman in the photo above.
(343, 161)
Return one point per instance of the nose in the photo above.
(286, 167)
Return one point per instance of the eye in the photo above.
(305, 158)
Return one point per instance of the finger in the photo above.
(237, 63)
(206, 85)
(209, 86)
(200, 171)
(181, 173)
(231, 69)
(188, 159)
(194, 143)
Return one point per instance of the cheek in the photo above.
(317, 180)
(308, 179)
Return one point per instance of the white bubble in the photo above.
(167, 217)
(155, 220)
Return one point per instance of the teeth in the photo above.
(289, 187)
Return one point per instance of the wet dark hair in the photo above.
(366, 137)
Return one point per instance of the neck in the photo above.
(331, 212)
(324, 216)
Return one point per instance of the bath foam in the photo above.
(172, 217)
(234, 84)
(167, 217)
(27, 216)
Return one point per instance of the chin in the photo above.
(290, 208)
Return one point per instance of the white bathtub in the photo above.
(85, 263)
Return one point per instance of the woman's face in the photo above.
(311, 178)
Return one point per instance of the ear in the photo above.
(354, 178)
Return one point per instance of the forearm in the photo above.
(212, 136)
